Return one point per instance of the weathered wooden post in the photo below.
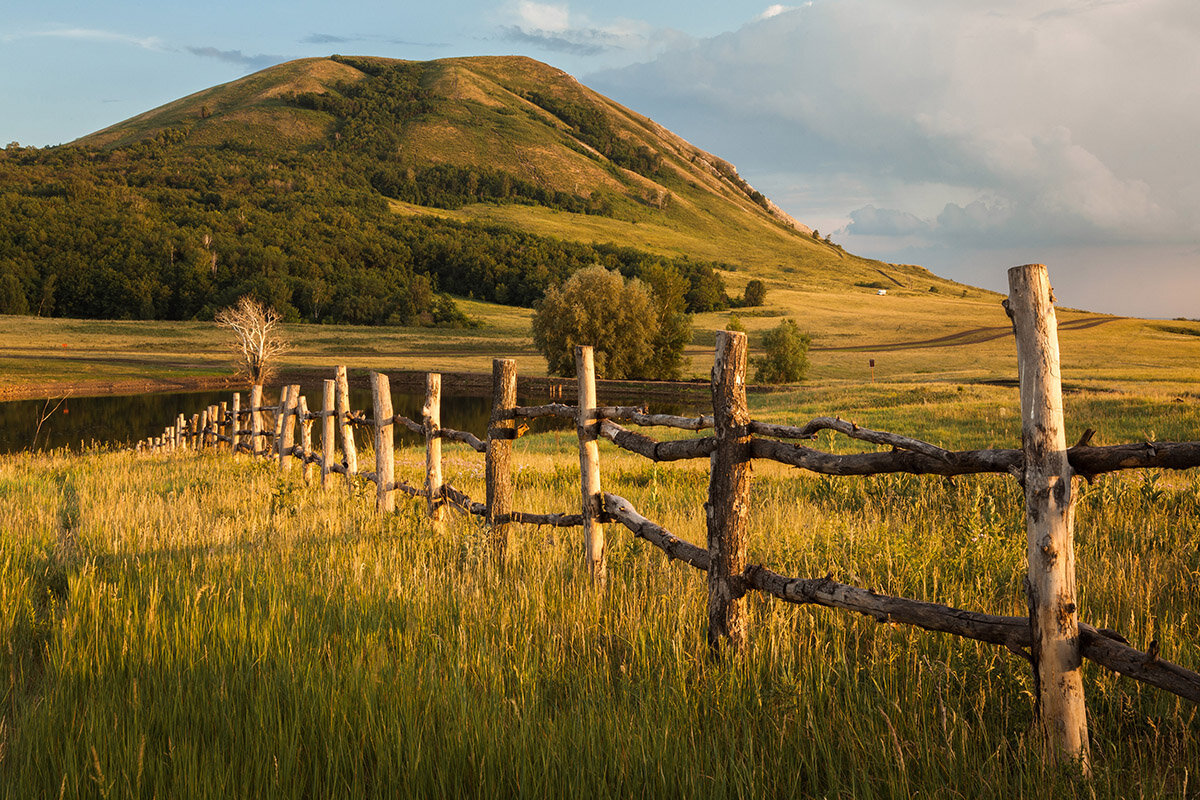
(277, 434)
(502, 430)
(195, 432)
(256, 421)
(385, 456)
(588, 428)
(203, 430)
(1049, 519)
(431, 417)
(236, 423)
(328, 431)
(349, 450)
(224, 428)
(287, 425)
(728, 494)
(305, 438)
(214, 430)
(180, 432)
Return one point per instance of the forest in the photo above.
(164, 229)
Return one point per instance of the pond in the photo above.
(115, 420)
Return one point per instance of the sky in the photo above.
(964, 136)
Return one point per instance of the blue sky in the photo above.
(964, 136)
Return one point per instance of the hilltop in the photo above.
(357, 190)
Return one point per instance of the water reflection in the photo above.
(125, 419)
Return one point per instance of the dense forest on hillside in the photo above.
(163, 229)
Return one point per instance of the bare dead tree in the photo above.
(258, 340)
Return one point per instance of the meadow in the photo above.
(198, 625)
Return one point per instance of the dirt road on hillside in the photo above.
(962, 338)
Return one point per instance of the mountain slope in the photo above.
(354, 189)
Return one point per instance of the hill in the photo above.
(358, 190)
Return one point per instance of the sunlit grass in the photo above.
(202, 626)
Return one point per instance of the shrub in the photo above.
(785, 355)
(755, 294)
(619, 318)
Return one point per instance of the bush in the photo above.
(755, 294)
(621, 319)
(785, 355)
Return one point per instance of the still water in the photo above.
(124, 419)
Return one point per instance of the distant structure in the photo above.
(881, 292)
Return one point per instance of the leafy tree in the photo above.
(12, 295)
(598, 307)
(735, 324)
(785, 355)
(755, 294)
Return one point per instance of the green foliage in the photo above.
(592, 126)
(755, 293)
(785, 355)
(735, 324)
(618, 317)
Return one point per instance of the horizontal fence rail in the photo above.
(269, 430)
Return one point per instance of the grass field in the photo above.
(201, 626)
(913, 336)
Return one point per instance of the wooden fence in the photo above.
(1051, 637)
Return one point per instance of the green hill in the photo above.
(358, 189)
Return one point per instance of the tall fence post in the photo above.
(349, 450)
(328, 431)
(194, 433)
(256, 426)
(431, 417)
(305, 438)
(224, 428)
(587, 427)
(1049, 519)
(502, 430)
(385, 456)
(728, 494)
(180, 432)
(236, 419)
(286, 427)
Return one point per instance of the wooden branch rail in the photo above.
(674, 450)
(1044, 466)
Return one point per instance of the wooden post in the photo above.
(180, 432)
(214, 422)
(256, 426)
(502, 430)
(328, 431)
(385, 456)
(195, 432)
(305, 438)
(431, 416)
(203, 430)
(277, 434)
(349, 450)
(1049, 519)
(728, 494)
(223, 427)
(286, 426)
(588, 428)
(236, 417)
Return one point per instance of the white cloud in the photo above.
(547, 17)
(774, 11)
(91, 35)
(1061, 120)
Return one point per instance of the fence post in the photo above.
(286, 426)
(235, 427)
(305, 438)
(214, 430)
(1049, 519)
(431, 416)
(180, 432)
(349, 450)
(224, 428)
(502, 430)
(385, 456)
(256, 426)
(587, 428)
(203, 430)
(194, 433)
(328, 430)
(728, 494)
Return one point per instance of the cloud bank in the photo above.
(938, 123)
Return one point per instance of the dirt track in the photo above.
(970, 336)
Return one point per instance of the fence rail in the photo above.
(1044, 466)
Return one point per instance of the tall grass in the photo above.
(199, 626)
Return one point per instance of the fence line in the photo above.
(1051, 637)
